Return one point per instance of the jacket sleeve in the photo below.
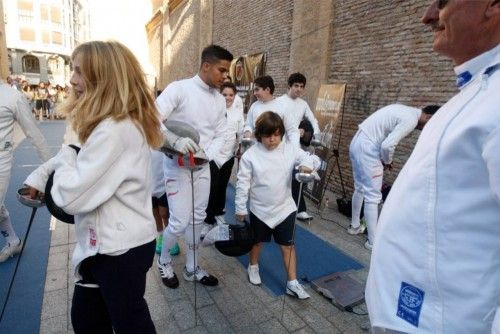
(250, 122)
(25, 119)
(243, 185)
(168, 100)
(403, 129)
(309, 115)
(492, 160)
(220, 133)
(304, 159)
(291, 130)
(84, 182)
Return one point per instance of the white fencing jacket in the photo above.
(157, 173)
(107, 187)
(14, 107)
(265, 177)
(388, 125)
(235, 122)
(435, 265)
(281, 108)
(194, 102)
(298, 110)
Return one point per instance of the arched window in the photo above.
(31, 64)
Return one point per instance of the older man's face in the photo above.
(458, 27)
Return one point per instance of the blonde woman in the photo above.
(107, 187)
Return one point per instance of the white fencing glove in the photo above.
(185, 145)
(182, 145)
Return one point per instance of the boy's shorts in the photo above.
(160, 201)
(282, 233)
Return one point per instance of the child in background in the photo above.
(264, 179)
(159, 198)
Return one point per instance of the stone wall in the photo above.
(258, 26)
(384, 54)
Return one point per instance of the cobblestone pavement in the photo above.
(235, 306)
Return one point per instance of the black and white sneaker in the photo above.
(167, 274)
(201, 276)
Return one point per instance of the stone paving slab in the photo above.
(235, 306)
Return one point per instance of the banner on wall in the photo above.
(243, 71)
(327, 111)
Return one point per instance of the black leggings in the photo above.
(118, 304)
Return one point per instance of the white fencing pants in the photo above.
(178, 189)
(5, 224)
(368, 173)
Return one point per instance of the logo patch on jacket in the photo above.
(410, 303)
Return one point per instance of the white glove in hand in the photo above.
(201, 155)
(185, 145)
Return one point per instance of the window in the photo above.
(31, 64)
(55, 14)
(27, 34)
(57, 37)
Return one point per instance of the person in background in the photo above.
(14, 108)
(222, 164)
(298, 111)
(263, 91)
(371, 152)
(159, 200)
(435, 265)
(109, 193)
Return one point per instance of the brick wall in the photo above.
(249, 27)
(384, 54)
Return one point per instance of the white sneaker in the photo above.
(368, 245)
(356, 230)
(10, 250)
(304, 216)
(220, 220)
(253, 274)
(294, 288)
(205, 229)
(201, 276)
(167, 274)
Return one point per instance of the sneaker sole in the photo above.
(293, 294)
(305, 219)
(256, 284)
(191, 279)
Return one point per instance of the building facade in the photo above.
(378, 48)
(40, 36)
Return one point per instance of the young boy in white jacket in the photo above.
(264, 178)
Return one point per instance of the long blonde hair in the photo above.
(115, 87)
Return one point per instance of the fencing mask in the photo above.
(231, 240)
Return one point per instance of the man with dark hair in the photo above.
(435, 266)
(195, 101)
(371, 152)
(263, 91)
(298, 111)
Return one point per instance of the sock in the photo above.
(371, 216)
(357, 202)
(169, 240)
(192, 246)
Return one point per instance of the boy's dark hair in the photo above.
(213, 53)
(228, 85)
(296, 78)
(430, 109)
(267, 124)
(265, 82)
